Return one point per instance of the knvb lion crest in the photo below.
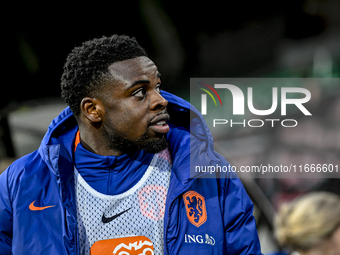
(195, 208)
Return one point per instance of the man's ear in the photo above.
(93, 109)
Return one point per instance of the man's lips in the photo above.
(159, 123)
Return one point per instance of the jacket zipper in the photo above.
(167, 222)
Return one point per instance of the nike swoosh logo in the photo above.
(32, 207)
(107, 220)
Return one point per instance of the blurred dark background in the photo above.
(214, 39)
(284, 38)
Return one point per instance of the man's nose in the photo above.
(158, 102)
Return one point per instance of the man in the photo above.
(112, 174)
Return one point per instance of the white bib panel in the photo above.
(136, 212)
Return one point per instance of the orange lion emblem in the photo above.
(195, 208)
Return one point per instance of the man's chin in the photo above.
(150, 145)
(156, 145)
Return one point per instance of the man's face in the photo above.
(135, 112)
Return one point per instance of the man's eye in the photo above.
(140, 93)
(159, 88)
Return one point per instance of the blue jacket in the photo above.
(46, 178)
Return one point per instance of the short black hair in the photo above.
(86, 67)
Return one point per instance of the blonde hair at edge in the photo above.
(308, 221)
